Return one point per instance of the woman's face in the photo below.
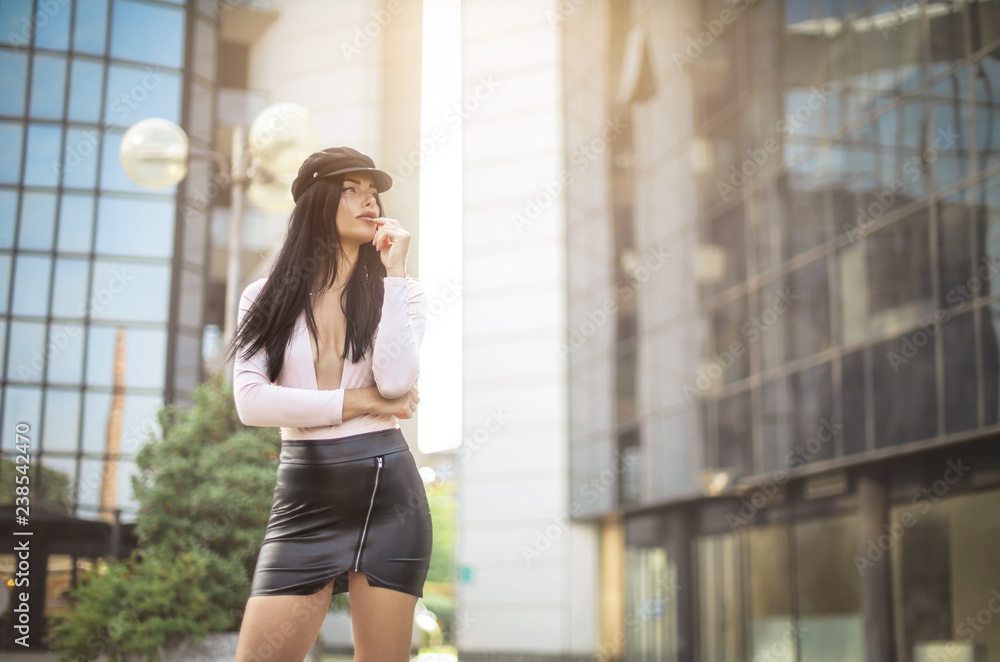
(357, 209)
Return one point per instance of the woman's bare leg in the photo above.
(281, 628)
(382, 621)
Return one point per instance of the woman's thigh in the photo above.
(281, 628)
(382, 621)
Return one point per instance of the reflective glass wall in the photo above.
(100, 279)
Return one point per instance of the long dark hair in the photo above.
(312, 243)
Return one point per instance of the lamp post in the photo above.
(154, 153)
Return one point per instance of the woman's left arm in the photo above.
(396, 355)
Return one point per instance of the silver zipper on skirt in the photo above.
(364, 531)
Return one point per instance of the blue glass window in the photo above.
(52, 24)
(144, 32)
(62, 420)
(67, 366)
(76, 223)
(21, 405)
(79, 163)
(86, 84)
(96, 412)
(27, 342)
(11, 141)
(48, 86)
(13, 81)
(42, 163)
(70, 295)
(91, 26)
(138, 93)
(135, 227)
(145, 356)
(15, 22)
(38, 220)
(130, 291)
(8, 212)
(5, 261)
(31, 285)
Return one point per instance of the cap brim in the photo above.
(383, 182)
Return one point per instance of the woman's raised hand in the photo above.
(392, 242)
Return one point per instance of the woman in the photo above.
(343, 515)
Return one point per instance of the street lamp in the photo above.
(154, 153)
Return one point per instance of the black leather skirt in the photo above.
(348, 504)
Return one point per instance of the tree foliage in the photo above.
(204, 492)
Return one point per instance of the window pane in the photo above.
(76, 223)
(13, 81)
(960, 374)
(52, 31)
(48, 86)
(147, 33)
(58, 482)
(812, 396)
(802, 191)
(11, 141)
(86, 83)
(31, 285)
(852, 388)
(777, 424)
(21, 405)
(5, 263)
(140, 421)
(79, 164)
(130, 291)
(145, 356)
(899, 266)
(807, 301)
(27, 341)
(65, 364)
(38, 220)
(91, 26)
(989, 321)
(8, 213)
(96, 413)
(829, 589)
(905, 382)
(70, 295)
(62, 420)
(770, 591)
(41, 166)
(987, 221)
(13, 14)
(138, 93)
(731, 357)
(135, 227)
(735, 437)
(955, 241)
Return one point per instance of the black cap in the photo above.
(337, 161)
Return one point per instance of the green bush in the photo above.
(204, 492)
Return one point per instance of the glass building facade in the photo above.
(101, 280)
(784, 322)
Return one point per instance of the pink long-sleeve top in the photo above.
(294, 402)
